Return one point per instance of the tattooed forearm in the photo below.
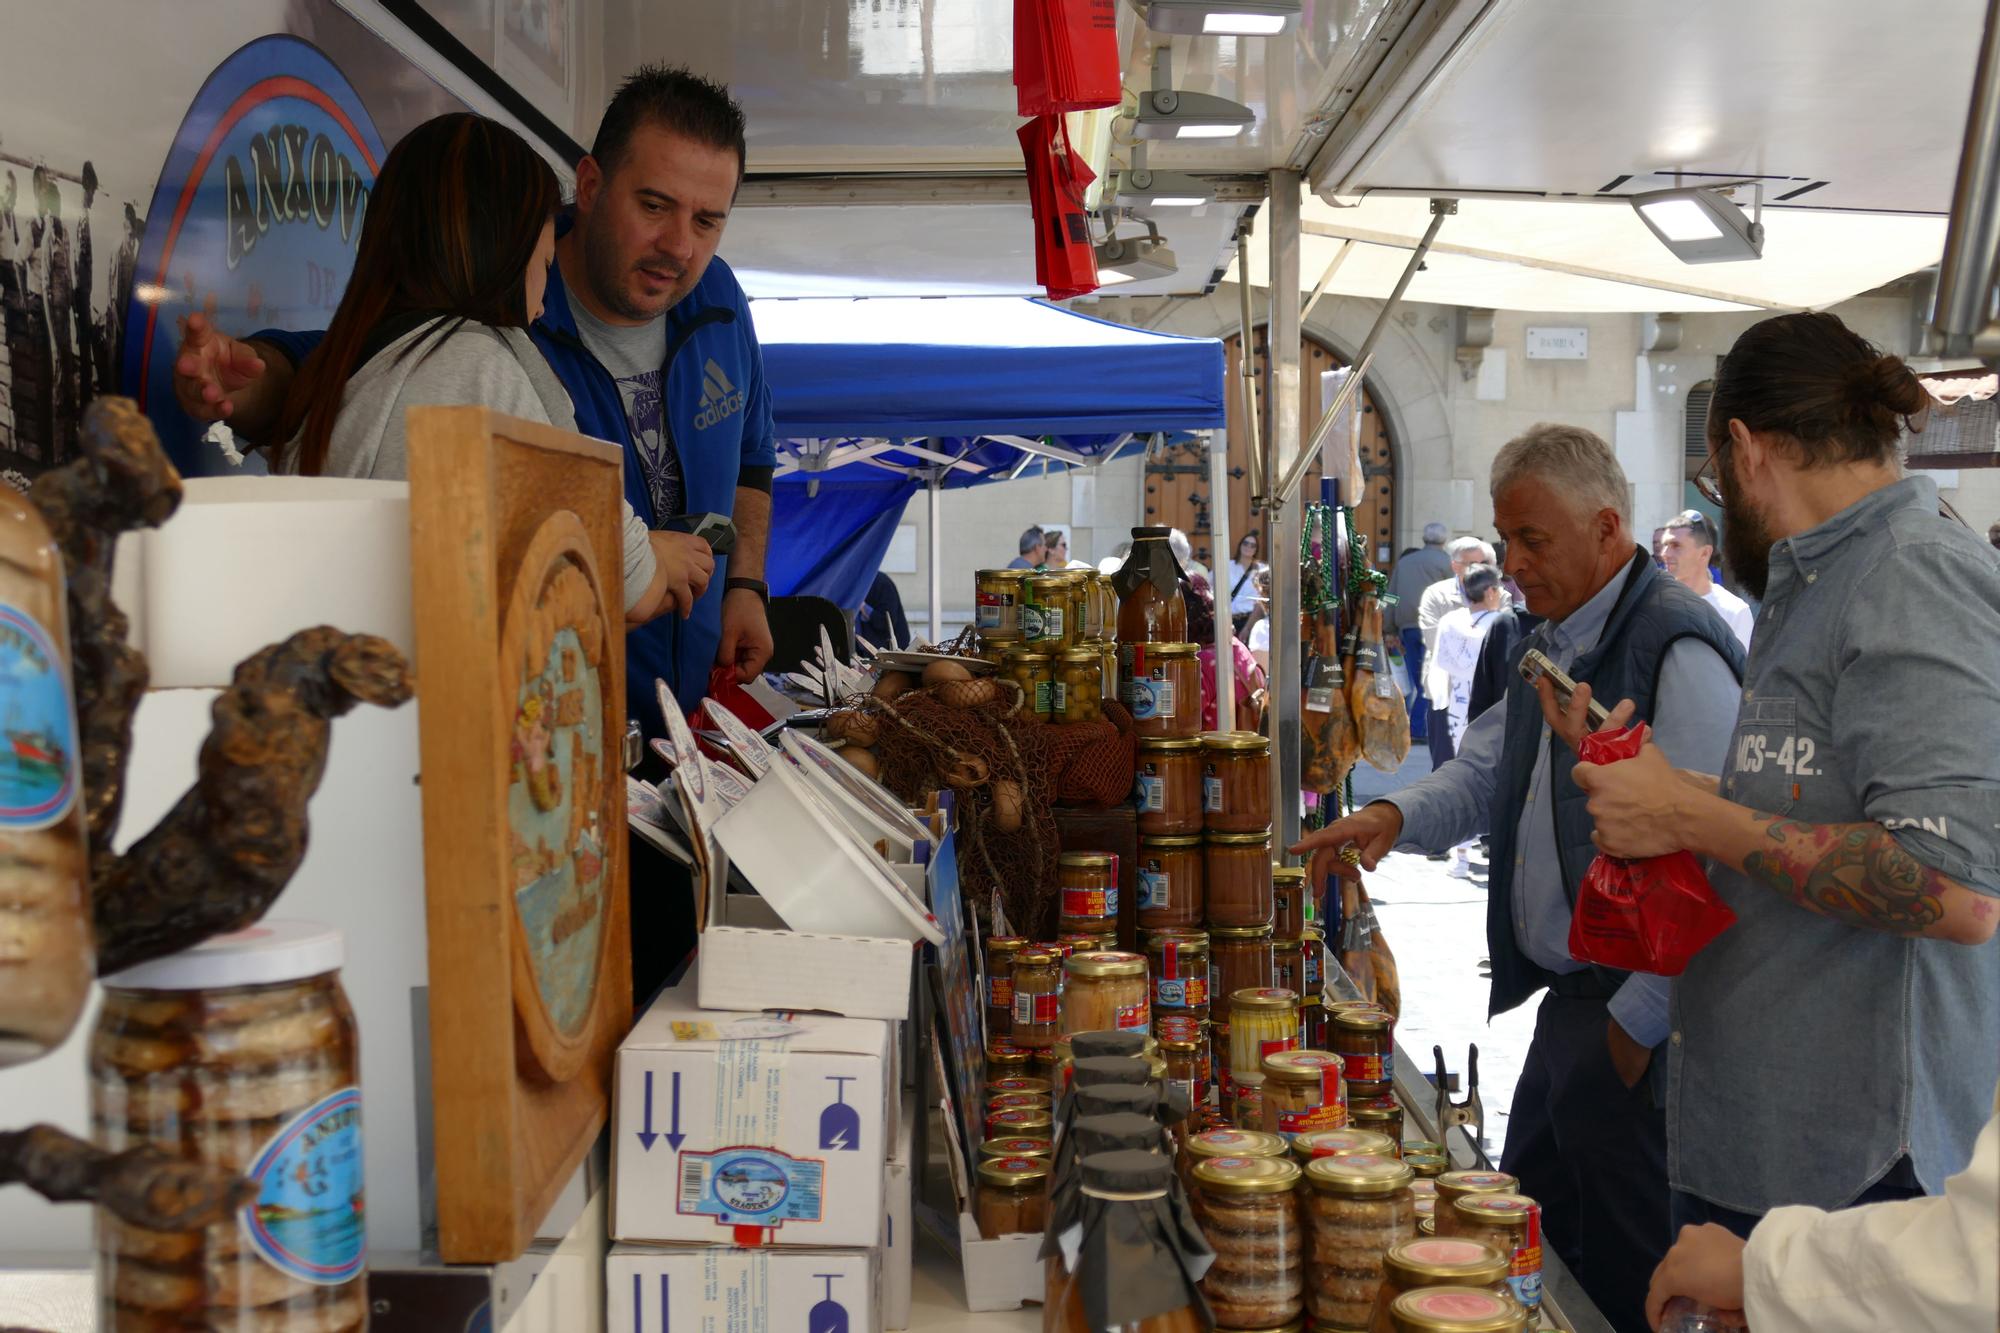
(1857, 873)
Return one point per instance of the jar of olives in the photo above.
(999, 601)
(1080, 685)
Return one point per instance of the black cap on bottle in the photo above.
(1127, 1171)
(1092, 1045)
(1100, 1070)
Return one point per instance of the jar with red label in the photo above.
(1365, 1040)
(1170, 882)
(1455, 1185)
(1262, 1021)
(1303, 1091)
(1012, 1198)
(1160, 685)
(1236, 878)
(1037, 1011)
(998, 609)
(1178, 961)
(1089, 882)
(1511, 1224)
(1187, 1064)
(1289, 902)
(1000, 951)
(1168, 787)
(1236, 781)
(1059, 950)
(1106, 990)
(1239, 958)
(1246, 1106)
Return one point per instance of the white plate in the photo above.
(816, 874)
(867, 806)
(744, 743)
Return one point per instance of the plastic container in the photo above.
(1424, 1262)
(1160, 685)
(1687, 1315)
(1037, 1001)
(1248, 1210)
(1089, 886)
(1035, 672)
(1169, 882)
(1455, 1185)
(1358, 1208)
(1239, 957)
(998, 602)
(1290, 902)
(1013, 1196)
(1177, 961)
(1236, 782)
(1365, 1039)
(1303, 1092)
(1106, 990)
(1511, 1224)
(1455, 1310)
(1236, 878)
(242, 1053)
(1080, 684)
(1263, 1020)
(1168, 787)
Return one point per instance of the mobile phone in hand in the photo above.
(715, 529)
(1536, 664)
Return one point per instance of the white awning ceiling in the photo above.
(1554, 255)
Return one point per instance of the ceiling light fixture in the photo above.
(1171, 113)
(1134, 258)
(1701, 225)
(1219, 18)
(1141, 187)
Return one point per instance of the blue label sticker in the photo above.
(38, 760)
(1170, 994)
(753, 1187)
(1155, 889)
(307, 1221)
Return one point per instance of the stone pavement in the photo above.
(1436, 926)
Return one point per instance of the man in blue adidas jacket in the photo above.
(651, 335)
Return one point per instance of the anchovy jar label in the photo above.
(38, 760)
(753, 1187)
(307, 1221)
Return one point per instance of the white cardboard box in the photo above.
(719, 1289)
(751, 1128)
(898, 1239)
(751, 961)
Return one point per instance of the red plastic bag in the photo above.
(1065, 258)
(1651, 915)
(1066, 55)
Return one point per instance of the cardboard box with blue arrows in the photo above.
(751, 1128)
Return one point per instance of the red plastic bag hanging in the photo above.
(1065, 258)
(1651, 915)
(1066, 55)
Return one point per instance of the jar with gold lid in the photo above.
(240, 1053)
(1168, 786)
(1303, 1092)
(1236, 781)
(1428, 1166)
(1049, 613)
(1178, 964)
(1455, 1310)
(1035, 672)
(1014, 1147)
(1424, 1189)
(1020, 1122)
(995, 646)
(1080, 684)
(1246, 1102)
(1413, 1265)
(1358, 1208)
(1365, 1039)
(1240, 958)
(998, 605)
(1005, 1060)
(1511, 1224)
(996, 1087)
(1248, 1210)
(1000, 951)
(1224, 1142)
(1288, 964)
(1169, 875)
(1160, 685)
(1312, 977)
(1289, 902)
(1341, 1143)
(1383, 1115)
(1017, 1101)
(1089, 887)
(1236, 878)
(1037, 1001)
(1106, 990)
(1012, 1198)
(1263, 1020)
(1455, 1185)
(1312, 1022)
(1186, 1054)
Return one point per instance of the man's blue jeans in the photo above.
(1413, 658)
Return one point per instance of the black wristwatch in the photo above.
(758, 586)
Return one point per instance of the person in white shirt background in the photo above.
(1242, 578)
(1687, 549)
(1442, 596)
(1258, 637)
(1454, 660)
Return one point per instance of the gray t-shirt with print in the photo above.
(634, 354)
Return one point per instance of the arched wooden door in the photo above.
(1177, 489)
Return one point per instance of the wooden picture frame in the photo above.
(516, 534)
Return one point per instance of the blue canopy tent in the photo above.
(878, 399)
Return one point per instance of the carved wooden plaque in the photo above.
(515, 549)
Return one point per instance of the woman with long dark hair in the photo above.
(453, 259)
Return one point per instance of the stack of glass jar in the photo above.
(1050, 632)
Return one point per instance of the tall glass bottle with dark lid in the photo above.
(1150, 609)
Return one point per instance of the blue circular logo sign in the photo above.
(750, 1185)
